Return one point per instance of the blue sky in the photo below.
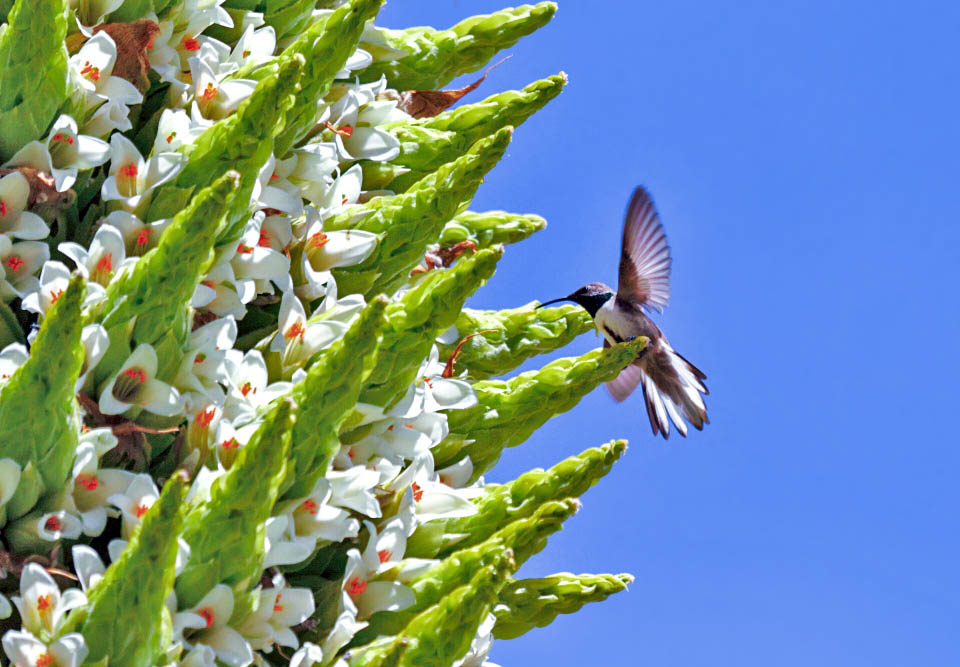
(804, 159)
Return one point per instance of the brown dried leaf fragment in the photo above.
(428, 103)
(43, 188)
(133, 40)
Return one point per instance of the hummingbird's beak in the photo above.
(563, 298)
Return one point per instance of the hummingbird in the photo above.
(672, 386)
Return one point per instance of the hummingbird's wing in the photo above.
(644, 255)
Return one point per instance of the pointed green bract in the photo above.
(524, 537)
(509, 411)
(504, 503)
(326, 396)
(425, 311)
(38, 411)
(33, 71)
(243, 141)
(408, 223)
(436, 57)
(443, 632)
(226, 531)
(123, 620)
(326, 45)
(428, 143)
(490, 228)
(156, 294)
(512, 336)
(525, 604)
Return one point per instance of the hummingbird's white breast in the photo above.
(614, 324)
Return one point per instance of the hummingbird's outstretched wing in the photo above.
(644, 255)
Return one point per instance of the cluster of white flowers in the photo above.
(221, 392)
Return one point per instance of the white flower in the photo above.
(361, 588)
(54, 526)
(328, 250)
(103, 260)
(204, 362)
(248, 388)
(230, 439)
(297, 338)
(279, 608)
(19, 263)
(93, 487)
(309, 655)
(315, 518)
(176, 130)
(480, 646)
(15, 221)
(254, 46)
(25, 650)
(282, 548)
(206, 623)
(217, 99)
(135, 383)
(12, 357)
(273, 190)
(255, 259)
(135, 501)
(330, 194)
(95, 343)
(138, 236)
(433, 392)
(346, 627)
(429, 498)
(41, 605)
(91, 69)
(132, 179)
(357, 113)
(88, 566)
(63, 154)
(353, 489)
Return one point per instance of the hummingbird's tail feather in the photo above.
(624, 384)
(672, 387)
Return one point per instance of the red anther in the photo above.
(417, 492)
(143, 237)
(14, 262)
(53, 524)
(319, 240)
(137, 374)
(244, 249)
(207, 615)
(384, 555)
(140, 510)
(190, 43)
(90, 72)
(356, 586)
(129, 170)
(87, 481)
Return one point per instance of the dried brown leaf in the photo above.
(429, 103)
(133, 40)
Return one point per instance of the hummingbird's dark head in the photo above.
(591, 297)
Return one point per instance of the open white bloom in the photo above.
(360, 584)
(12, 357)
(54, 279)
(353, 488)
(273, 189)
(254, 46)
(139, 496)
(328, 194)
(95, 343)
(256, 259)
(19, 263)
(91, 70)
(103, 260)
(297, 338)
(15, 221)
(328, 250)
(428, 497)
(138, 236)
(93, 487)
(217, 99)
(357, 114)
(480, 646)
(63, 154)
(248, 388)
(88, 566)
(283, 547)
(314, 518)
(206, 623)
(132, 179)
(309, 655)
(136, 383)
(279, 608)
(230, 439)
(25, 650)
(204, 362)
(42, 606)
(175, 130)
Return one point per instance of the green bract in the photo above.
(234, 268)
